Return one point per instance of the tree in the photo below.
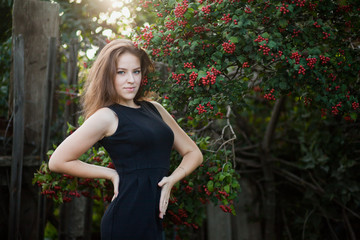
(302, 55)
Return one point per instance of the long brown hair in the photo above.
(99, 86)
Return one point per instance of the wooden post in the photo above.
(18, 139)
(48, 93)
(218, 223)
(36, 21)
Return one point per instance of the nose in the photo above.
(131, 78)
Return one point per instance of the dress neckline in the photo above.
(135, 108)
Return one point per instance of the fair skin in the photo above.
(104, 123)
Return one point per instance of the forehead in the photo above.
(128, 60)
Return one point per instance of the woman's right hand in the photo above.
(115, 179)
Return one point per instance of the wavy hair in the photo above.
(99, 89)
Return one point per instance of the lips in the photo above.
(130, 89)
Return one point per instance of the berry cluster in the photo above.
(312, 6)
(166, 50)
(300, 3)
(200, 29)
(311, 62)
(316, 25)
(283, 8)
(324, 60)
(201, 109)
(295, 33)
(206, 9)
(226, 18)
(335, 110)
(192, 78)
(189, 65)
(188, 189)
(269, 96)
(355, 105)
(307, 101)
(207, 46)
(209, 105)
(326, 35)
(177, 77)
(209, 79)
(170, 25)
(245, 65)
(145, 4)
(259, 39)
(155, 51)
(169, 39)
(219, 114)
(265, 19)
(265, 49)
(181, 9)
(296, 56)
(247, 10)
(147, 36)
(225, 208)
(229, 47)
(301, 70)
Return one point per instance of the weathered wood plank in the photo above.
(18, 139)
(29, 161)
(49, 92)
(36, 21)
(218, 223)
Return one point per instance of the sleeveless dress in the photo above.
(140, 150)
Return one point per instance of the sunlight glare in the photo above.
(126, 12)
(90, 53)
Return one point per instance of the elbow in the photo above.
(53, 166)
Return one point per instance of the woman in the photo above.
(138, 136)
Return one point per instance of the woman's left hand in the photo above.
(166, 185)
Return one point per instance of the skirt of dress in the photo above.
(134, 213)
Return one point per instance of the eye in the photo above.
(120, 72)
(137, 71)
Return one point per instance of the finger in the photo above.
(162, 182)
(163, 204)
(116, 187)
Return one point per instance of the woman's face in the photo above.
(128, 78)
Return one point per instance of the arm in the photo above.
(65, 157)
(192, 157)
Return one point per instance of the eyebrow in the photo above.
(120, 68)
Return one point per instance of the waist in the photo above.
(143, 171)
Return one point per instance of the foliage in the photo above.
(250, 54)
(218, 50)
(63, 187)
(223, 65)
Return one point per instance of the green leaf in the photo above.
(283, 23)
(283, 85)
(227, 188)
(234, 39)
(210, 186)
(272, 44)
(265, 35)
(157, 40)
(353, 116)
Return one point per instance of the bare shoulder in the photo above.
(104, 119)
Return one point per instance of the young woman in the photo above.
(138, 135)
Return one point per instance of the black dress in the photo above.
(140, 150)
